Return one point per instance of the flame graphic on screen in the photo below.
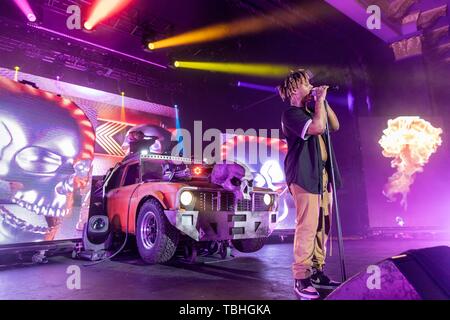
(410, 141)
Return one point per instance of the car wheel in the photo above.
(156, 238)
(248, 245)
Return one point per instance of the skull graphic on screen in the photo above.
(47, 146)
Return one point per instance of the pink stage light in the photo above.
(103, 9)
(24, 6)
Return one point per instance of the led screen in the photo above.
(267, 167)
(418, 175)
(46, 153)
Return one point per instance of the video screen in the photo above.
(268, 171)
(405, 172)
(46, 153)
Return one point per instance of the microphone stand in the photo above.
(335, 200)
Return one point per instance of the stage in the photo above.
(265, 275)
(171, 150)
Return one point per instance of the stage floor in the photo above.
(263, 275)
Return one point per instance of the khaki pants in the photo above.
(312, 227)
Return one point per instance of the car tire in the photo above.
(248, 245)
(156, 238)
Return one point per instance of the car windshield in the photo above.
(164, 168)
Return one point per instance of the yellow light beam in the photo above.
(226, 30)
(16, 73)
(122, 110)
(258, 70)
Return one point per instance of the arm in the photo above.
(333, 121)
(318, 123)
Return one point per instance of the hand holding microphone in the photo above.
(320, 93)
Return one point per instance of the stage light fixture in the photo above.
(88, 26)
(25, 7)
(257, 70)
(103, 9)
(31, 17)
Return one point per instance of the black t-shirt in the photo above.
(303, 164)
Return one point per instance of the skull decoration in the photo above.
(47, 145)
(234, 177)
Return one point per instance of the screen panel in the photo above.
(427, 204)
(46, 152)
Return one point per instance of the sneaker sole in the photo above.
(303, 296)
(321, 286)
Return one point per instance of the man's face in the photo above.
(303, 88)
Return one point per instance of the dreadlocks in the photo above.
(286, 89)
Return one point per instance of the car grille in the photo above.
(259, 204)
(225, 201)
(206, 201)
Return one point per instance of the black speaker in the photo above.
(97, 239)
(98, 229)
(420, 274)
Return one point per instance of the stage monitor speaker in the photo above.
(98, 229)
(421, 274)
(97, 239)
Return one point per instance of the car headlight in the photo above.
(267, 199)
(186, 198)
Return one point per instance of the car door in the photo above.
(125, 198)
(112, 193)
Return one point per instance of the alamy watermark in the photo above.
(73, 281)
(74, 19)
(374, 20)
(253, 149)
(73, 22)
(374, 280)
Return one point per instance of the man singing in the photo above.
(308, 174)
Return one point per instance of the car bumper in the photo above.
(223, 225)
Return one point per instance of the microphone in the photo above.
(330, 88)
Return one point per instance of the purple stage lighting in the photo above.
(369, 103)
(256, 86)
(24, 6)
(350, 101)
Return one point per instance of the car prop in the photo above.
(175, 205)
